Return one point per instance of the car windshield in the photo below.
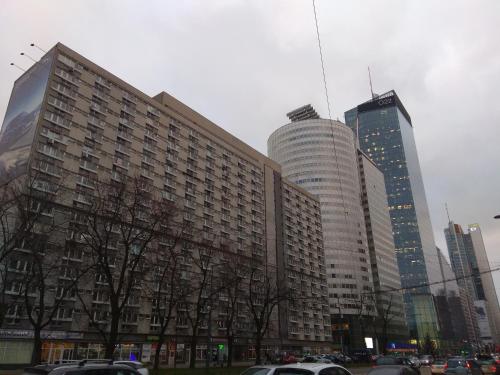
(439, 362)
(452, 363)
(292, 371)
(257, 371)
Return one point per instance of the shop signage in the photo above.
(46, 335)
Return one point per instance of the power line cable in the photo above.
(433, 283)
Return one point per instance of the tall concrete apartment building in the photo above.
(386, 280)
(74, 122)
(384, 131)
(320, 155)
(470, 263)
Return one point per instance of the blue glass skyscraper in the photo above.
(385, 132)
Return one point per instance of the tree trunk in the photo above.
(159, 345)
(230, 341)
(192, 351)
(112, 338)
(36, 355)
(258, 345)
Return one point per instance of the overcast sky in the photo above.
(245, 64)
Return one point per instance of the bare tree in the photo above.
(119, 226)
(204, 286)
(385, 316)
(23, 202)
(167, 287)
(36, 282)
(265, 292)
(232, 298)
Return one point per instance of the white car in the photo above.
(298, 369)
(135, 365)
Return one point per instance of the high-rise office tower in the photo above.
(470, 263)
(76, 125)
(386, 280)
(455, 320)
(321, 156)
(384, 131)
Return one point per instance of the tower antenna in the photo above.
(447, 212)
(370, 78)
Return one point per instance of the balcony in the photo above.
(129, 97)
(149, 147)
(148, 160)
(66, 76)
(57, 120)
(89, 134)
(85, 181)
(64, 90)
(65, 107)
(117, 176)
(147, 173)
(170, 183)
(151, 134)
(53, 137)
(96, 122)
(100, 94)
(103, 82)
(88, 166)
(126, 122)
(123, 149)
(190, 204)
(128, 109)
(98, 107)
(81, 198)
(124, 135)
(125, 164)
(51, 152)
(168, 196)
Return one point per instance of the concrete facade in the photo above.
(320, 156)
(94, 126)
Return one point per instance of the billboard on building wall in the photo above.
(19, 124)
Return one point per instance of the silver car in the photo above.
(298, 369)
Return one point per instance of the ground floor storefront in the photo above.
(16, 347)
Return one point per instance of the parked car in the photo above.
(316, 359)
(437, 366)
(474, 366)
(143, 370)
(396, 361)
(81, 368)
(416, 361)
(260, 370)
(391, 370)
(488, 366)
(298, 369)
(426, 359)
(457, 366)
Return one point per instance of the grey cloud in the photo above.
(244, 64)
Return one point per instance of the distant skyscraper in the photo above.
(455, 320)
(320, 156)
(382, 252)
(385, 134)
(470, 263)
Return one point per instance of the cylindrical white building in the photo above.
(320, 156)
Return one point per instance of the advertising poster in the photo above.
(19, 125)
